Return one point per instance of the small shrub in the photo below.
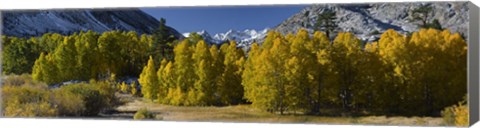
(124, 87)
(461, 115)
(68, 103)
(24, 97)
(134, 89)
(26, 101)
(456, 114)
(118, 87)
(107, 90)
(42, 109)
(96, 96)
(22, 80)
(143, 114)
(375, 32)
(448, 116)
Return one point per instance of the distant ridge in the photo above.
(37, 22)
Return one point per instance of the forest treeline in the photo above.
(406, 75)
(402, 75)
(54, 58)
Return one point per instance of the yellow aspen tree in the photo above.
(279, 53)
(319, 41)
(218, 68)
(269, 39)
(162, 86)
(65, 59)
(298, 76)
(431, 74)
(178, 96)
(184, 71)
(454, 60)
(369, 91)
(109, 48)
(264, 75)
(321, 88)
(346, 49)
(249, 73)
(391, 49)
(231, 89)
(296, 89)
(257, 79)
(85, 45)
(263, 94)
(168, 83)
(45, 70)
(204, 84)
(149, 81)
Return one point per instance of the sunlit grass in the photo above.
(246, 113)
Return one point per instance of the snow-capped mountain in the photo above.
(205, 35)
(37, 22)
(364, 20)
(368, 20)
(243, 38)
(247, 35)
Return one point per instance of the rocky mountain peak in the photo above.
(365, 20)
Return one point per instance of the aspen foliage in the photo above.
(398, 74)
(168, 81)
(230, 89)
(203, 87)
(162, 87)
(302, 72)
(81, 56)
(184, 72)
(149, 81)
(44, 71)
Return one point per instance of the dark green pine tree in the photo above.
(424, 15)
(435, 24)
(326, 22)
(163, 42)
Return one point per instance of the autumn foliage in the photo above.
(397, 75)
(415, 75)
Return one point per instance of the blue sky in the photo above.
(219, 19)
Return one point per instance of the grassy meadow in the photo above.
(248, 114)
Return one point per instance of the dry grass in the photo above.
(419, 121)
(245, 113)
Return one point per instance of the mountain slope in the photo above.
(38, 22)
(364, 19)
